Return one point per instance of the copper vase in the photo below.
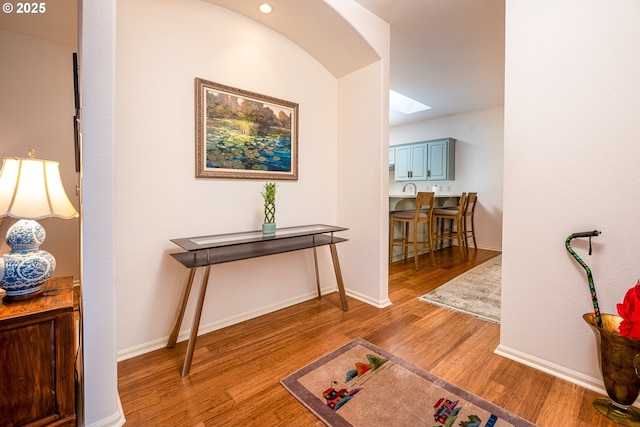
(619, 361)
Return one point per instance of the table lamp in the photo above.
(30, 189)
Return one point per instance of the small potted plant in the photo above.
(269, 196)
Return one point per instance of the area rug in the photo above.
(361, 385)
(475, 292)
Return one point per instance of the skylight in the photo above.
(404, 104)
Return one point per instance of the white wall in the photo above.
(36, 111)
(140, 190)
(362, 191)
(479, 164)
(97, 65)
(161, 48)
(363, 127)
(572, 126)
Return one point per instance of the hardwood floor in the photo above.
(234, 379)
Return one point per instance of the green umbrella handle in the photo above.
(592, 287)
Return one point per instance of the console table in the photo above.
(205, 251)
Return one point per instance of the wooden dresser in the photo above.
(37, 356)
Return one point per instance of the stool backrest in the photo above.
(424, 200)
(462, 205)
(472, 199)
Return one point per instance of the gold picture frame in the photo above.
(242, 134)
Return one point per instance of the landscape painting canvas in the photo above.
(242, 134)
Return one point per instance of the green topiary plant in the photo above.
(269, 196)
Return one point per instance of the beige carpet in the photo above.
(361, 385)
(475, 292)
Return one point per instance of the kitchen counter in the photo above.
(413, 196)
(406, 201)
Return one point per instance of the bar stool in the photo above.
(472, 199)
(419, 216)
(455, 218)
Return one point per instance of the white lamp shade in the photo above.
(32, 189)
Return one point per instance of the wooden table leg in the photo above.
(173, 338)
(336, 267)
(315, 260)
(196, 323)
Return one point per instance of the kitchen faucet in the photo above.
(415, 189)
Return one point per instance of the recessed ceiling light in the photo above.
(265, 8)
(404, 104)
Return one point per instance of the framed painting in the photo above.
(242, 134)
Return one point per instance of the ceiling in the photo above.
(314, 26)
(58, 23)
(448, 54)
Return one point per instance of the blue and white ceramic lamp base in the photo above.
(26, 267)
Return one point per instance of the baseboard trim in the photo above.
(156, 344)
(585, 381)
(159, 343)
(367, 300)
(400, 257)
(115, 420)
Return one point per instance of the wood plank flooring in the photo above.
(234, 379)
